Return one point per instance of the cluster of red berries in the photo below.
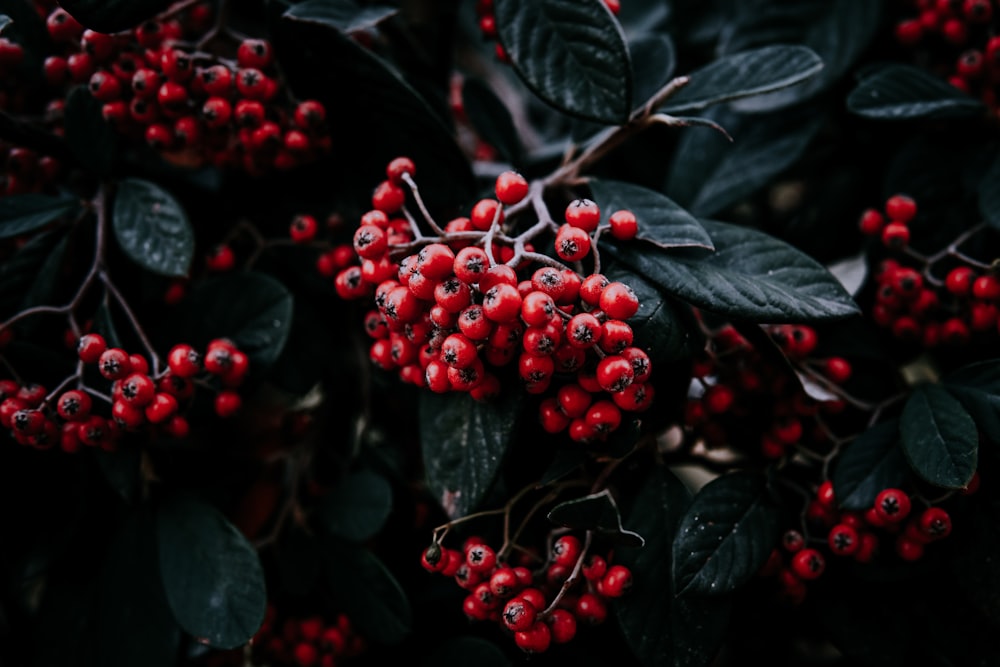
(42, 420)
(488, 23)
(523, 601)
(456, 310)
(960, 37)
(855, 535)
(192, 107)
(26, 171)
(917, 306)
(739, 397)
(309, 641)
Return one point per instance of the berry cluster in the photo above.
(191, 106)
(308, 641)
(488, 23)
(856, 535)
(138, 398)
(911, 299)
(472, 300)
(26, 171)
(539, 607)
(959, 39)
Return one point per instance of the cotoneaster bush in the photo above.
(499, 332)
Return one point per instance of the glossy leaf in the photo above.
(751, 275)
(19, 271)
(152, 228)
(654, 59)
(989, 195)
(4, 22)
(492, 120)
(20, 214)
(212, 576)
(463, 443)
(725, 536)
(368, 592)
(662, 628)
(571, 53)
(939, 437)
(113, 15)
(661, 222)
(597, 512)
(744, 74)
(870, 463)
(46, 282)
(358, 506)
(977, 386)
(905, 91)
(344, 15)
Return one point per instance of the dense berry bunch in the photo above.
(539, 607)
(451, 311)
(138, 398)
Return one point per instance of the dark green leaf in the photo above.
(134, 620)
(726, 535)
(463, 443)
(113, 15)
(653, 62)
(597, 512)
(212, 576)
(709, 172)
(656, 326)
(939, 437)
(152, 228)
(91, 139)
(121, 470)
(744, 74)
(43, 289)
(344, 15)
(358, 506)
(20, 214)
(491, 120)
(663, 629)
(563, 463)
(104, 324)
(571, 53)
(4, 22)
(463, 651)
(19, 271)
(370, 595)
(870, 463)
(977, 386)
(252, 309)
(906, 91)
(751, 276)
(989, 195)
(661, 222)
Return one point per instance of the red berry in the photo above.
(871, 222)
(395, 170)
(843, 540)
(536, 639)
(618, 301)
(572, 243)
(583, 213)
(227, 403)
(837, 369)
(935, 523)
(624, 225)
(808, 563)
(519, 615)
(900, 208)
(566, 550)
(895, 236)
(511, 187)
(90, 348)
(484, 212)
(255, 53)
(892, 505)
(162, 407)
(184, 361)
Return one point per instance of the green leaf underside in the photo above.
(744, 74)
(725, 536)
(344, 15)
(113, 15)
(571, 53)
(751, 276)
(463, 442)
(597, 512)
(358, 506)
(906, 91)
(663, 629)
(977, 386)
(152, 228)
(212, 576)
(866, 466)
(20, 214)
(939, 437)
(368, 592)
(661, 221)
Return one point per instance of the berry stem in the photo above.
(110, 287)
(408, 179)
(572, 578)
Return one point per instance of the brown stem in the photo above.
(420, 204)
(133, 320)
(571, 579)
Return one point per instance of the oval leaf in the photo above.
(152, 228)
(905, 91)
(597, 512)
(653, 61)
(463, 443)
(369, 594)
(989, 195)
(358, 507)
(663, 629)
(211, 574)
(867, 465)
(744, 74)
(113, 15)
(750, 276)
(939, 437)
(344, 15)
(20, 214)
(252, 309)
(571, 53)
(661, 222)
(977, 386)
(725, 537)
